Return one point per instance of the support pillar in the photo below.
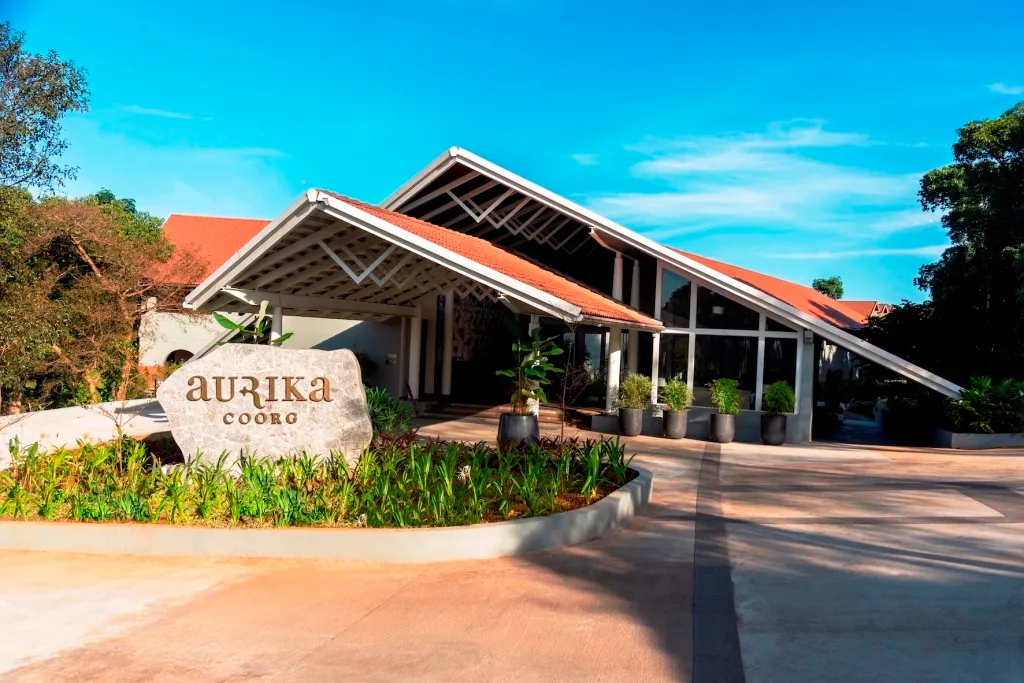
(617, 277)
(655, 362)
(403, 359)
(415, 332)
(429, 370)
(276, 323)
(633, 350)
(531, 404)
(614, 365)
(447, 337)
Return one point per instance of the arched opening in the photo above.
(178, 357)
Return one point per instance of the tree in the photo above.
(36, 92)
(832, 287)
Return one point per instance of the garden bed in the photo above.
(397, 483)
(945, 438)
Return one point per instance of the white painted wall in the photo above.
(162, 333)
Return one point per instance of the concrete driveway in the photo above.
(752, 564)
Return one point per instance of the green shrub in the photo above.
(388, 415)
(987, 407)
(725, 396)
(396, 483)
(676, 394)
(635, 392)
(778, 399)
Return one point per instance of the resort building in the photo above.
(421, 285)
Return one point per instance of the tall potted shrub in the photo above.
(778, 400)
(725, 396)
(528, 379)
(676, 396)
(634, 397)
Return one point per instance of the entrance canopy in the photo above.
(333, 257)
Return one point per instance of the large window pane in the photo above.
(674, 349)
(717, 356)
(675, 299)
(780, 361)
(773, 325)
(718, 312)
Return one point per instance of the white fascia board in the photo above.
(466, 267)
(427, 175)
(253, 250)
(726, 284)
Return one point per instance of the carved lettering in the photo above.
(218, 383)
(229, 418)
(291, 393)
(323, 393)
(244, 418)
(275, 418)
(291, 418)
(198, 393)
(252, 391)
(271, 388)
(260, 418)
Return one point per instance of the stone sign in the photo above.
(264, 401)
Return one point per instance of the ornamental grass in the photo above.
(399, 482)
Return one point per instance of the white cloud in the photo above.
(762, 180)
(931, 251)
(1003, 89)
(162, 113)
(585, 159)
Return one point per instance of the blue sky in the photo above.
(784, 137)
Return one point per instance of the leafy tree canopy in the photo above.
(36, 92)
(832, 287)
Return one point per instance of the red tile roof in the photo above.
(591, 303)
(211, 239)
(805, 299)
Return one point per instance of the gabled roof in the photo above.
(506, 272)
(620, 238)
(800, 297)
(868, 309)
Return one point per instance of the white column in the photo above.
(534, 324)
(759, 383)
(614, 364)
(276, 323)
(655, 359)
(446, 341)
(415, 332)
(633, 350)
(533, 405)
(403, 357)
(691, 360)
(428, 371)
(617, 277)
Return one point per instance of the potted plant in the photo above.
(634, 397)
(528, 377)
(776, 402)
(676, 396)
(725, 396)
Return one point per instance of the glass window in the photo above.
(675, 350)
(675, 299)
(718, 312)
(780, 361)
(775, 326)
(717, 356)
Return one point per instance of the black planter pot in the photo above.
(631, 421)
(674, 423)
(516, 428)
(773, 429)
(723, 428)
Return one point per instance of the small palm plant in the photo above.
(254, 333)
(778, 399)
(725, 396)
(676, 394)
(635, 392)
(531, 371)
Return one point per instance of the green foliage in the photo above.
(254, 332)
(987, 407)
(389, 416)
(725, 396)
(398, 483)
(531, 371)
(36, 93)
(676, 394)
(635, 391)
(778, 399)
(832, 287)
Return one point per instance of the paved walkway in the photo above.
(752, 564)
